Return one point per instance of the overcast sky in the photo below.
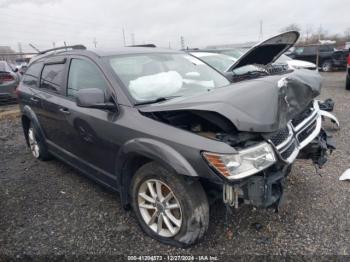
(201, 22)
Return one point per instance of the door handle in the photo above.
(64, 111)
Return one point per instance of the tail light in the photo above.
(6, 78)
(349, 60)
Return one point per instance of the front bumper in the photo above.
(305, 139)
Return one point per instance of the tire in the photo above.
(347, 85)
(188, 195)
(36, 144)
(327, 66)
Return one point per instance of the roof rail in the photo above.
(143, 45)
(74, 47)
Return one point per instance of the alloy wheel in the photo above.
(33, 143)
(159, 208)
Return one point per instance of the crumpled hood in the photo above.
(259, 105)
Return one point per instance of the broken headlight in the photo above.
(247, 162)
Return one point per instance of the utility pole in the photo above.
(132, 38)
(124, 36)
(261, 36)
(20, 49)
(169, 45)
(182, 41)
(53, 44)
(95, 42)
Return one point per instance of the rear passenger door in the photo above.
(51, 93)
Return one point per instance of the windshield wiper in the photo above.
(157, 100)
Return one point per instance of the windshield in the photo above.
(149, 77)
(218, 61)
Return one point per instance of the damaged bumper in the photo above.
(303, 138)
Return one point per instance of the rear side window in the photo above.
(84, 74)
(52, 77)
(34, 69)
(31, 77)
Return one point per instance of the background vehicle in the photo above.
(8, 82)
(347, 85)
(329, 58)
(164, 129)
(238, 52)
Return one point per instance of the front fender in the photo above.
(157, 151)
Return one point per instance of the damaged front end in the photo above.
(303, 138)
(269, 121)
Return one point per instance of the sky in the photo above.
(201, 22)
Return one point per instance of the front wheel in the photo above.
(169, 208)
(347, 85)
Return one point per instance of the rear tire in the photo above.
(347, 85)
(327, 66)
(186, 210)
(36, 144)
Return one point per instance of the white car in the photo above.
(295, 64)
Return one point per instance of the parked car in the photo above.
(167, 131)
(347, 85)
(238, 52)
(329, 58)
(8, 82)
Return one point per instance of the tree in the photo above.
(291, 27)
(347, 34)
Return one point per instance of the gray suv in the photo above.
(169, 133)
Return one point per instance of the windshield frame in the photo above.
(126, 90)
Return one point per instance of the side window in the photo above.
(31, 77)
(299, 50)
(34, 69)
(84, 74)
(30, 81)
(52, 77)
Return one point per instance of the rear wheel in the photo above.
(327, 66)
(347, 85)
(168, 207)
(36, 144)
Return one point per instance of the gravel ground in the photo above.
(48, 208)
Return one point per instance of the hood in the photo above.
(268, 51)
(259, 105)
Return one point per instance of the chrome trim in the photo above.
(316, 115)
(288, 139)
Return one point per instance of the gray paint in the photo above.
(257, 105)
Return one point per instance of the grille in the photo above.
(288, 152)
(280, 136)
(303, 115)
(306, 132)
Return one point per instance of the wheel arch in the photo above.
(138, 152)
(29, 116)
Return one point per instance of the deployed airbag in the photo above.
(158, 85)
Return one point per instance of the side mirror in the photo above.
(93, 98)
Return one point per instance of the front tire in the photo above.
(169, 208)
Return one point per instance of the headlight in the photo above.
(246, 163)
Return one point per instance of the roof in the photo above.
(131, 50)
